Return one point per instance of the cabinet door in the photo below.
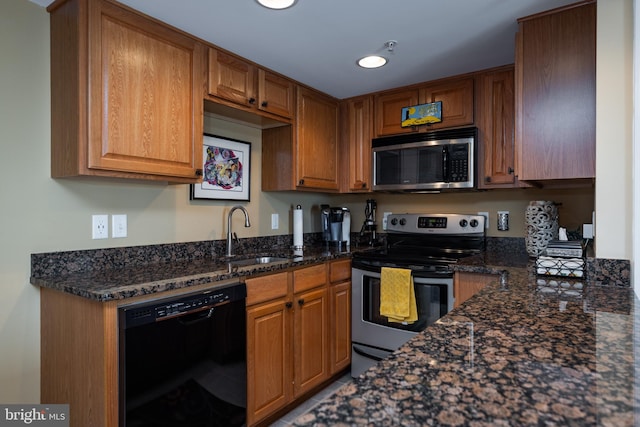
(388, 111)
(231, 78)
(276, 94)
(310, 340)
(496, 129)
(145, 95)
(339, 326)
(316, 141)
(356, 141)
(457, 102)
(467, 285)
(269, 360)
(556, 94)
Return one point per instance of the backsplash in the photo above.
(609, 272)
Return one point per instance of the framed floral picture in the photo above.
(226, 170)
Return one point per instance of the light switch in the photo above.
(118, 226)
(275, 221)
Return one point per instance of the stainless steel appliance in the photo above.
(429, 161)
(182, 360)
(336, 225)
(426, 244)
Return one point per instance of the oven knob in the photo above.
(463, 223)
(403, 221)
(394, 221)
(474, 223)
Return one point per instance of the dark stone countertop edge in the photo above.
(121, 283)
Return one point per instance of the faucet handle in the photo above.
(235, 237)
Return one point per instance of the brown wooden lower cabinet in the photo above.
(298, 337)
(340, 316)
(298, 333)
(467, 285)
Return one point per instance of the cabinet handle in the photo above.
(301, 182)
(264, 104)
(510, 170)
(252, 101)
(301, 302)
(198, 172)
(289, 304)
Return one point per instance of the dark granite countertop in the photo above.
(526, 350)
(121, 279)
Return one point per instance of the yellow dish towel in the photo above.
(397, 296)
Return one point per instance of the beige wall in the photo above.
(40, 214)
(614, 127)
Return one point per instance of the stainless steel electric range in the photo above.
(426, 244)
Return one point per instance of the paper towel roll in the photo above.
(297, 227)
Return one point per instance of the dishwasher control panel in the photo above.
(140, 314)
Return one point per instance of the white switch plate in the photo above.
(100, 226)
(275, 220)
(118, 226)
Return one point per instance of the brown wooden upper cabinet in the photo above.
(234, 79)
(457, 105)
(126, 95)
(304, 156)
(555, 94)
(356, 119)
(495, 120)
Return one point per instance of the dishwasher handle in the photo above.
(193, 317)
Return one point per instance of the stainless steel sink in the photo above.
(257, 260)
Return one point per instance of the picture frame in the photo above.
(226, 167)
(423, 114)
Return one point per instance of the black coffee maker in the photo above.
(336, 225)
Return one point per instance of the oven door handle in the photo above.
(367, 355)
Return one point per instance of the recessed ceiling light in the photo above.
(277, 4)
(372, 61)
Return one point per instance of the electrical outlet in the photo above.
(275, 220)
(100, 227)
(118, 226)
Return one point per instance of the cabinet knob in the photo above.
(301, 182)
(264, 104)
(364, 185)
(510, 170)
(487, 179)
(289, 304)
(252, 101)
(301, 302)
(199, 172)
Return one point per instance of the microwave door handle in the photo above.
(445, 163)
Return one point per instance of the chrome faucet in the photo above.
(229, 232)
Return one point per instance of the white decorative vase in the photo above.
(541, 219)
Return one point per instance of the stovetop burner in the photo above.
(427, 242)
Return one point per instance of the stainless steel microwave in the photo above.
(429, 161)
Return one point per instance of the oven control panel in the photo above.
(436, 223)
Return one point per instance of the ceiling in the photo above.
(317, 42)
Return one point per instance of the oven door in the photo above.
(434, 299)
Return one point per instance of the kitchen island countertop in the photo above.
(526, 350)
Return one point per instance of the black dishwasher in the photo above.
(182, 360)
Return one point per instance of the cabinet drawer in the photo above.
(265, 288)
(309, 278)
(340, 270)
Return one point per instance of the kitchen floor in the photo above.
(313, 401)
